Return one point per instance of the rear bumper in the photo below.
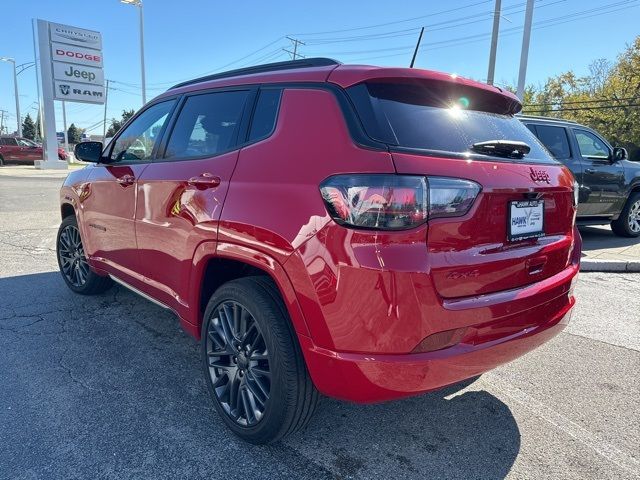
(376, 378)
(370, 378)
(372, 312)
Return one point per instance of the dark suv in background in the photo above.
(609, 181)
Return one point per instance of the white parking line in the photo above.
(608, 451)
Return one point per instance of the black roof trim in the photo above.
(267, 67)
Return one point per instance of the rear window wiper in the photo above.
(502, 148)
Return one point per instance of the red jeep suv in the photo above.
(361, 232)
(22, 150)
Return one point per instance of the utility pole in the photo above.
(1, 121)
(494, 42)
(524, 54)
(104, 124)
(415, 52)
(296, 42)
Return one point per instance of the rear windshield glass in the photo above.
(411, 116)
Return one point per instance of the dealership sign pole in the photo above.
(70, 60)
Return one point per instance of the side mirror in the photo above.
(620, 153)
(88, 151)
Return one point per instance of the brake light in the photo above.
(451, 197)
(395, 202)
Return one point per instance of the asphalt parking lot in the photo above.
(110, 387)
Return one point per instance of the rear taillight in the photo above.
(451, 197)
(382, 202)
(395, 202)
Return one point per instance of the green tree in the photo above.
(116, 124)
(74, 134)
(28, 128)
(606, 99)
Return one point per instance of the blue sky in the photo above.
(187, 38)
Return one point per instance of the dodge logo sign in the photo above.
(539, 175)
(64, 89)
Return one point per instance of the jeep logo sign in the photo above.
(78, 73)
(79, 92)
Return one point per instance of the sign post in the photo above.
(70, 61)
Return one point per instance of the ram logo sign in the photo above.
(79, 92)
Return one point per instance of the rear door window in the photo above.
(438, 121)
(264, 116)
(555, 139)
(207, 125)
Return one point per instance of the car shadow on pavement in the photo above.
(450, 433)
(109, 386)
(596, 238)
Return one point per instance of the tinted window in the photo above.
(415, 116)
(591, 146)
(264, 117)
(555, 139)
(207, 125)
(9, 141)
(137, 141)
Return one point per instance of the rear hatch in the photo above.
(519, 228)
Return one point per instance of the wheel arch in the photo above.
(66, 210)
(214, 264)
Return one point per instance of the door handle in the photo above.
(205, 180)
(590, 170)
(126, 180)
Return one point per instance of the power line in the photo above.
(580, 15)
(446, 24)
(442, 12)
(576, 109)
(569, 102)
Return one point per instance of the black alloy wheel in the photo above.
(73, 263)
(252, 362)
(238, 362)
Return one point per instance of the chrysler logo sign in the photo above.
(75, 36)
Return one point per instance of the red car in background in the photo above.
(366, 233)
(22, 150)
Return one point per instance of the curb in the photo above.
(599, 265)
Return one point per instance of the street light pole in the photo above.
(138, 3)
(15, 86)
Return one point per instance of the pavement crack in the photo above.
(67, 369)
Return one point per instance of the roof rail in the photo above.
(550, 119)
(267, 67)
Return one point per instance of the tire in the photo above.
(281, 402)
(628, 223)
(1, 161)
(72, 262)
